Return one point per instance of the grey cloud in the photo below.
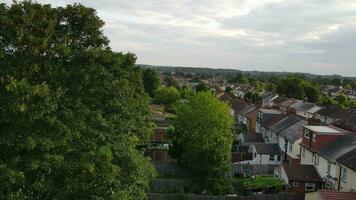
(315, 36)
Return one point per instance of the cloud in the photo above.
(316, 36)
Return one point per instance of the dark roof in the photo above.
(270, 149)
(248, 108)
(294, 132)
(332, 111)
(339, 147)
(237, 105)
(273, 120)
(348, 159)
(252, 114)
(336, 195)
(305, 173)
(280, 100)
(285, 123)
(288, 102)
(240, 156)
(252, 137)
(350, 116)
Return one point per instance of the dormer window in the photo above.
(307, 133)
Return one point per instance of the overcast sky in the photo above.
(315, 36)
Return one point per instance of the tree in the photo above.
(312, 93)
(150, 81)
(326, 100)
(171, 81)
(167, 95)
(342, 100)
(270, 87)
(229, 90)
(201, 87)
(72, 111)
(202, 141)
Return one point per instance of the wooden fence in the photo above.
(280, 196)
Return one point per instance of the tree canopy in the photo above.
(202, 141)
(71, 111)
(150, 81)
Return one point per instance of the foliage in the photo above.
(167, 95)
(72, 111)
(270, 87)
(150, 81)
(202, 141)
(342, 100)
(312, 93)
(326, 100)
(202, 87)
(298, 88)
(187, 92)
(253, 97)
(229, 90)
(261, 182)
(171, 82)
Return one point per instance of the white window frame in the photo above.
(307, 133)
(316, 160)
(270, 156)
(295, 184)
(279, 158)
(343, 176)
(309, 187)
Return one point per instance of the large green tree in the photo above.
(202, 141)
(72, 112)
(150, 81)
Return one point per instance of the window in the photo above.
(307, 133)
(329, 166)
(271, 157)
(343, 174)
(278, 158)
(295, 184)
(303, 152)
(309, 186)
(316, 160)
(290, 147)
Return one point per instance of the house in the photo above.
(348, 120)
(305, 109)
(240, 90)
(267, 101)
(278, 101)
(334, 92)
(280, 123)
(352, 94)
(329, 114)
(242, 114)
(236, 106)
(288, 141)
(331, 90)
(330, 195)
(316, 137)
(265, 154)
(251, 121)
(300, 178)
(285, 106)
(325, 159)
(347, 163)
(263, 116)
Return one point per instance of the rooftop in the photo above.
(270, 149)
(323, 129)
(333, 195)
(301, 173)
(339, 147)
(294, 132)
(348, 159)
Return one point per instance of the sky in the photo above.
(313, 36)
